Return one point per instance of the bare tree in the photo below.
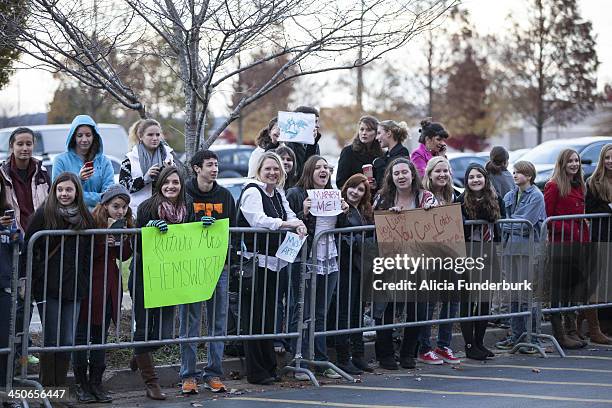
(552, 64)
(202, 40)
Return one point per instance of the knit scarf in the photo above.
(171, 213)
(148, 160)
(70, 214)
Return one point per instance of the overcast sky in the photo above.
(31, 90)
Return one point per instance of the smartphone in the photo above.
(119, 224)
(89, 165)
(9, 213)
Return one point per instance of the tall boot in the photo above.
(571, 329)
(471, 349)
(594, 330)
(62, 365)
(559, 333)
(83, 391)
(480, 328)
(47, 369)
(149, 376)
(95, 381)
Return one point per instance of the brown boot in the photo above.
(564, 341)
(571, 330)
(47, 369)
(594, 330)
(149, 376)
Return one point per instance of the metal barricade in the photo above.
(69, 324)
(575, 272)
(407, 312)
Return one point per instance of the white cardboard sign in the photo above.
(296, 127)
(290, 248)
(325, 202)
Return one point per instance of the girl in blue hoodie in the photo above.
(85, 157)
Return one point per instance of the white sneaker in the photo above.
(329, 373)
(302, 377)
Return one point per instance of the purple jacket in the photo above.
(420, 157)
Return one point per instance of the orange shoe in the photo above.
(189, 386)
(214, 384)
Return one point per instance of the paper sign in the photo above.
(325, 202)
(414, 232)
(296, 127)
(184, 264)
(290, 248)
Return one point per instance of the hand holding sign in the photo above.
(296, 127)
(325, 202)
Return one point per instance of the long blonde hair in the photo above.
(560, 177)
(447, 191)
(598, 182)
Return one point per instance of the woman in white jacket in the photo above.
(149, 155)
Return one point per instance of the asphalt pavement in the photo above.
(582, 379)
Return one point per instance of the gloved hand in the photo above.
(207, 221)
(159, 224)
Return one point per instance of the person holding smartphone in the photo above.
(142, 165)
(26, 180)
(85, 157)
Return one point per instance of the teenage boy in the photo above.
(526, 202)
(209, 200)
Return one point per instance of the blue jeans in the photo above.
(326, 286)
(59, 323)
(190, 317)
(519, 323)
(445, 330)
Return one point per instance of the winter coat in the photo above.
(72, 162)
(572, 204)
(65, 264)
(7, 247)
(420, 157)
(531, 208)
(600, 227)
(131, 176)
(303, 152)
(114, 287)
(380, 164)
(503, 182)
(350, 163)
(40, 184)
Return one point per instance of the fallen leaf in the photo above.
(536, 370)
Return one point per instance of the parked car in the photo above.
(516, 155)
(459, 163)
(51, 140)
(234, 185)
(233, 159)
(545, 155)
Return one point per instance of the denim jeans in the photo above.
(59, 321)
(519, 323)
(445, 330)
(190, 317)
(326, 286)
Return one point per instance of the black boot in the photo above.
(82, 389)
(480, 328)
(362, 364)
(95, 384)
(471, 350)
